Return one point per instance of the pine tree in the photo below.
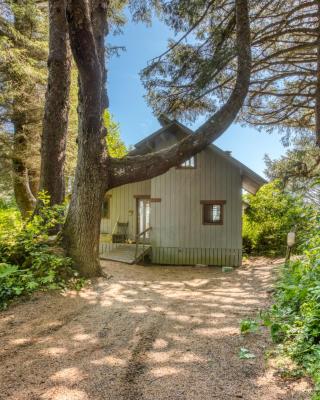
(96, 171)
(193, 76)
(23, 53)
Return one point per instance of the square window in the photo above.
(212, 212)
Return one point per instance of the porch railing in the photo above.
(141, 239)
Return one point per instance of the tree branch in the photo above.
(137, 168)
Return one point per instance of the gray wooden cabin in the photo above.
(192, 213)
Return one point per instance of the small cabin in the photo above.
(192, 214)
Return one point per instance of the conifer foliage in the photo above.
(23, 55)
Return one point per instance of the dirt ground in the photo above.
(147, 333)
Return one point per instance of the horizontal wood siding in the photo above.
(123, 206)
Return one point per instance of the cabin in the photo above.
(190, 215)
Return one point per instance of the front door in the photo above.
(143, 214)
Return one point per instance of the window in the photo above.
(191, 163)
(106, 207)
(212, 212)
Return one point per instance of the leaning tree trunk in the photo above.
(82, 228)
(95, 172)
(21, 184)
(55, 122)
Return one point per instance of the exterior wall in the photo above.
(178, 235)
(123, 206)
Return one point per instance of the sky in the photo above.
(131, 111)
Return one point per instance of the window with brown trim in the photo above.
(212, 212)
(188, 164)
(106, 207)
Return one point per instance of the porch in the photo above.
(124, 252)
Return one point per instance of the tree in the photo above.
(285, 77)
(115, 146)
(96, 171)
(271, 213)
(23, 74)
(286, 73)
(299, 169)
(55, 121)
(23, 51)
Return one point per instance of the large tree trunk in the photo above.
(87, 24)
(95, 172)
(25, 138)
(317, 105)
(55, 122)
(24, 198)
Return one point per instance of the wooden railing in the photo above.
(143, 242)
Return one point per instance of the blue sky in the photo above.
(127, 103)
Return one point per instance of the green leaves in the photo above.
(248, 326)
(115, 145)
(270, 215)
(294, 319)
(244, 354)
(7, 270)
(31, 261)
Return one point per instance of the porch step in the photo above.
(126, 253)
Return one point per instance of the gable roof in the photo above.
(251, 181)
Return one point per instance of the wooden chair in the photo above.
(121, 234)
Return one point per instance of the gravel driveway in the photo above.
(147, 333)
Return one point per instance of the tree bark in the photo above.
(87, 25)
(34, 180)
(317, 105)
(55, 122)
(24, 198)
(95, 172)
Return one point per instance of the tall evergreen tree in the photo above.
(192, 77)
(299, 168)
(55, 122)
(23, 51)
(96, 171)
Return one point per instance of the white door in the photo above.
(143, 212)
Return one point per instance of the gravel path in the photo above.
(149, 333)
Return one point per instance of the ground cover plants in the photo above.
(31, 259)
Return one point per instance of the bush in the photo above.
(270, 215)
(294, 319)
(10, 219)
(29, 261)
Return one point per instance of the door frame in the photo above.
(140, 197)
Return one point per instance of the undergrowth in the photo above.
(29, 259)
(10, 219)
(294, 319)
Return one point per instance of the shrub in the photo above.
(294, 319)
(10, 219)
(270, 215)
(248, 326)
(29, 261)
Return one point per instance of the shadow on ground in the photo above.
(147, 333)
